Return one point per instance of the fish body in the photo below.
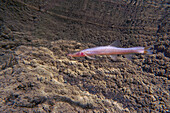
(110, 50)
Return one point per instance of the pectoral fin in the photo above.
(89, 57)
(113, 57)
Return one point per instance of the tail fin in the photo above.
(148, 50)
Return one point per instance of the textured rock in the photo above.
(36, 75)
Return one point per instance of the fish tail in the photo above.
(148, 50)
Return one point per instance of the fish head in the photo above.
(77, 54)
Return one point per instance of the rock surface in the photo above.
(36, 75)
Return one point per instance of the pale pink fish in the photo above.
(111, 50)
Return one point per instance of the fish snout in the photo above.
(69, 54)
(77, 54)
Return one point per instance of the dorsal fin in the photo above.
(115, 43)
